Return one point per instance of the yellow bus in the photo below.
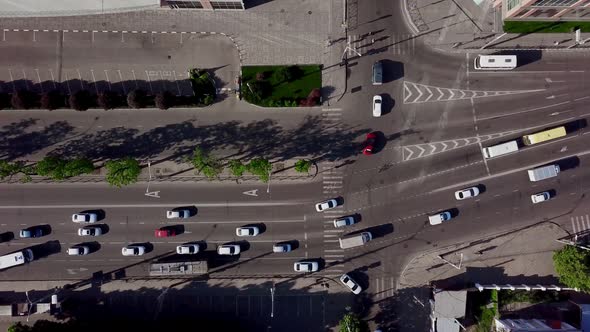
(544, 136)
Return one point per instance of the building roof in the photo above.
(449, 305)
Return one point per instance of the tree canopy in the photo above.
(573, 267)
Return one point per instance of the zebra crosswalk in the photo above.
(580, 224)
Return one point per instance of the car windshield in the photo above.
(377, 101)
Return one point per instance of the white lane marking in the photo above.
(75, 206)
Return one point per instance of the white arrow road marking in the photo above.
(441, 94)
(422, 152)
(409, 92)
(155, 194)
(253, 192)
(444, 146)
(433, 146)
(430, 94)
(452, 94)
(420, 93)
(410, 155)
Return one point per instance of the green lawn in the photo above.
(544, 27)
(280, 91)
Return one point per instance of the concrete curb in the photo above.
(409, 22)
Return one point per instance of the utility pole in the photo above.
(272, 301)
(269, 175)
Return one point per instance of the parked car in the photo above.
(30, 232)
(540, 197)
(247, 231)
(187, 249)
(344, 221)
(83, 217)
(78, 250)
(164, 232)
(133, 250)
(306, 266)
(439, 218)
(281, 247)
(228, 249)
(466, 193)
(90, 231)
(377, 102)
(351, 284)
(178, 214)
(326, 205)
(369, 144)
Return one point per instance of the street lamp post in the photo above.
(30, 305)
(272, 301)
(269, 175)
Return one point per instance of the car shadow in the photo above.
(387, 104)
(294, 244)
(177, 229)
(6, 236)
(100, 214)
(380, 142)
(46, 229)
(45, 249)
(94, 246)
(192, 210)
(104, 228)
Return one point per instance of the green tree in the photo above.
(205, 163)
(302, 165)
(18, 327)
(260, 167)
(9, 169)
(572, 266)
(237, 168)
(78, 166)
(122, 172)
(351, 323)
(52, 167)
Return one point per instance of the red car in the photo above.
(164, 232)
(369, 144)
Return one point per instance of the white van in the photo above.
(495, 62)
(500, 149)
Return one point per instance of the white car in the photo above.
(133, 250)
(78, 250)
(306, 266)
(326, 205)
(247, 231)
(281, 247)
(344, 221)
(228, 249)
(466, 193)
(187, 249)
(351, 284)
(90, 231)
(439, 218)
(540, 197)
(377, 101)
(84, 217)
(178, 214)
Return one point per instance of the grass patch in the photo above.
(486, 308)
(507, 296)
(278, 86)
(544, 27)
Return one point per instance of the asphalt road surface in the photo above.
(440, 113)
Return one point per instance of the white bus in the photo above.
(500, 149)
(16, 258)
(495, 62)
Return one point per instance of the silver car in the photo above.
(281, 247)
(344, 221)
(228, 249)
(351, 284)
(306, 266)
(178, 214)
(247, 231)
(540, 197)
(78, 250)
(84, 217)
(466, 193)
(133, 250)
(90, 231)
(326, 205)
(187, 249)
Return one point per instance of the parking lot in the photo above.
(118, 61)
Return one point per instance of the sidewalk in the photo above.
(515, 258)
(466, 26)
(171, 171)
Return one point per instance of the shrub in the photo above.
(80, 100)
(23, 99)
(51, 100)
(107, 100)
(136, 98)
(165, 100)
(302, 166)
(260, 76)
(288, 74)
(208, 100)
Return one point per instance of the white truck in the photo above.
(355, 240)
(500, 149)
(542, 173)
(16, 258)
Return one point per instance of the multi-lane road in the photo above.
(440, 113)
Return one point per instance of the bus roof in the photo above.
(497, 61)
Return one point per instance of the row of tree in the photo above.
(126, 171)
(82, 100)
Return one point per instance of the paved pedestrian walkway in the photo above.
(171, 171)
(470, 25)
(518, 257)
